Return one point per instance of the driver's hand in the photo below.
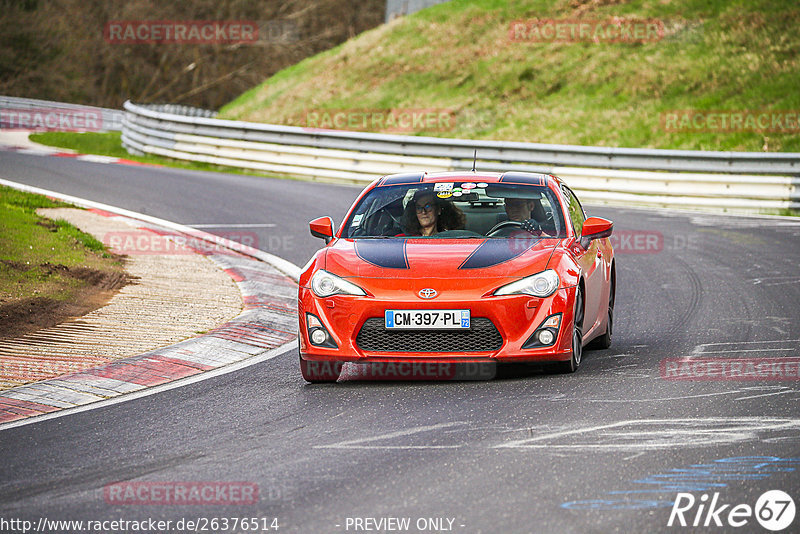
(532, 226)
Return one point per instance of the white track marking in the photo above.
(560, 434)
(663, 399)
(635, 436)
(767, 394)
(631, 457)
(747, 350)
(356, 443)
(656, 434)
(710, 348)
(748, 342)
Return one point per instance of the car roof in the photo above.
(512, 177)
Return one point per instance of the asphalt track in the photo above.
(604, 450)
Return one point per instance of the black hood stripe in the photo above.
(496, 251)
(402, 179)
(522, 178)
(388, 253)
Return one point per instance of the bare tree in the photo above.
(56, 49)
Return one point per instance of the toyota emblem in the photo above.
(427, 293)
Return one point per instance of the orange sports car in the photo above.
(457, 267)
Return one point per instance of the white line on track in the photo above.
(638, 435)
(663, 399)
(747, 342)
(356, 443)
(554, 435)
(767, 394)
(790, 349)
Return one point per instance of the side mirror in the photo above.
(595, 228)
(322, 228)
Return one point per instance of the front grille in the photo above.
(482, 337)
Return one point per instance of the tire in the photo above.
(604, 341)
(571, 365)
(320, 372)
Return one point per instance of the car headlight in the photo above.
(325, 284)
(542, 284)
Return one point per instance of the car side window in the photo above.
(576, 214)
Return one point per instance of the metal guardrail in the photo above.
(111, 118)
(180, 109)
(740, 181)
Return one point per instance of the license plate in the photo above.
(427, 319)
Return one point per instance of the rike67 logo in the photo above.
(774, 510)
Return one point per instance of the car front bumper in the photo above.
(515, 318)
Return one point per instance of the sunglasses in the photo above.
(426, 207)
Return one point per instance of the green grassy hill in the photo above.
(716, 55)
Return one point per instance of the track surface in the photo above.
(529, 452)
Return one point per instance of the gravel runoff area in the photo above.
(175, 294)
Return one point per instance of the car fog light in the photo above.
(545, 337)
(318, 336)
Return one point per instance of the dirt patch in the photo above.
(20, 317)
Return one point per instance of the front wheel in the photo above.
(320, 371)
(571, 365)
(604, 341)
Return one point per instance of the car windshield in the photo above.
(457, 210)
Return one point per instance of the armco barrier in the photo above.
(111, 118)
(731, 181)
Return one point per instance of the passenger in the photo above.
(427, 215)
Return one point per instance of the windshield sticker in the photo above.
(483, 185)
(444, 194)
(468, 185)
(357, 219)
(457, 193)
(443, 186)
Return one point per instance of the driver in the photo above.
(519, 209)
(527, 212)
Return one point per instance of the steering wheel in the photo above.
(530, 225)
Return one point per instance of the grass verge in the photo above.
(49, 270)
(459, 57)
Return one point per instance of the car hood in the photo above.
(398, 258)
